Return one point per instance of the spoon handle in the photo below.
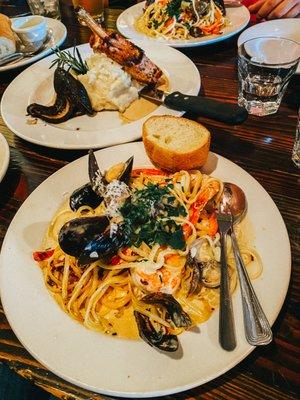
(226, 323)
(257, 328)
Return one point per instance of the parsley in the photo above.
(146, 215)
(173, 8)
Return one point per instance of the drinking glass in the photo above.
(48, 8)
(93, 7)
(296, 148)
(265, 67)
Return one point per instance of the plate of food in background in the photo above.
(10, 44)
(83, 286)
(4, 156)
(182, 23)
(90, 98)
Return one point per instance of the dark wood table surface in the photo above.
(262, 146)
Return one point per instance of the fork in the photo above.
(226, 323)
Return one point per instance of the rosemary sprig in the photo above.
(73, 61)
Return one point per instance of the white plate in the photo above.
(4, 156)
(286, 28)
(120, 367)
(59, 32)
(238, 16)
(106, 127)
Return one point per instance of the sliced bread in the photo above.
(7, 39)
(175, 143)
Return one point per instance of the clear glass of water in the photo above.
(47, 8)
(265, 67)
(296, 148)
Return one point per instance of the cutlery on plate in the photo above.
(226, 322)
(14, 57)
(257, 328)
(217, 110)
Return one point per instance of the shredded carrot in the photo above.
(147, 171)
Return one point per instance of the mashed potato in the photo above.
(109, 87)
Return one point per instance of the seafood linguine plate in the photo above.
(123, 367)
(106, 128)
(238, 17)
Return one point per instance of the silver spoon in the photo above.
(257, 328)
(17, 56)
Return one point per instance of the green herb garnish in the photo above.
(73, 61)
(173, 8)
(148, 217)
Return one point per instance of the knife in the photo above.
(225, 112)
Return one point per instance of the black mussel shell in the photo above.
(60, 111)
(195, 268)
(84, 196)
(156, 339)
(125, 176)
(77, 233)
(102, 247)
(221, 5)
(174, 310)
(66, 85)
(71, 100)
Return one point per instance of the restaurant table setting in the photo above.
(227, 325)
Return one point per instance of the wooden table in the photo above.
(262, 146)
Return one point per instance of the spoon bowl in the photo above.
(257, 327)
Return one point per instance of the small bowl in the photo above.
(31, 30)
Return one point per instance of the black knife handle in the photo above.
(217, 110)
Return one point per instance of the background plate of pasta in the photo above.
(182, 23)
(83, 312)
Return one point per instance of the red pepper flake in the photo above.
(42, 255)
(115, 260)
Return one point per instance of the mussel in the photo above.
(84, 196)
(221, 5)
(71, 100)
(91, 194)
(161, 340)
(103, 246)
(173, 313)
(194, 266)
(77, 233)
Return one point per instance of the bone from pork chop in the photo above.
(122, 51)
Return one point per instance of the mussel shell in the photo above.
(174, 310)
(125, 176)
(192, 264)
(66, 85)
(77, 233)
(221, 5)
(84, 196)
(60, 111)
(156, 339)
(102, 247)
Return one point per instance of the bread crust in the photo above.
(5, 28)
(171, 160)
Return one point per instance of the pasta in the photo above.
(182, 19)
(167, 270)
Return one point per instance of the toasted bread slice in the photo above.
(175, 143)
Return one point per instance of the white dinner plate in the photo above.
(115, 366)
(4, 156)
(59, 33)
(239, 18)
(105, 128)
(286, 28)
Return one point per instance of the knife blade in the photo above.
(224, 112)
